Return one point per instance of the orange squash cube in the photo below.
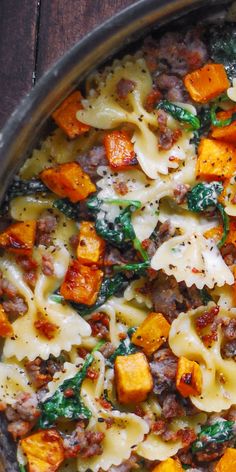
(214, 233)
(169, 465)
(68, 180)
(19, 237)
(6, 330)
(82, 283)
(188, 377)
(91, 247)
(206, 83)
(133, 378)
(65, 116)
(216, 159)
(227, 463)
(119, 150)
(152, 333)
(44, 451)
(225, 133)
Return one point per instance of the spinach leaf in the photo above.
(60, 405)
(220, 123)
(21, 467)
(110, 286)
(205, 296)
(56, 297)
(20, 188)
(71, 210)
(180, 114)
(222, 46)
(121, 231)
(205, 195)
(204, 116)
(125, 348)
(214, 434)
(138, 268)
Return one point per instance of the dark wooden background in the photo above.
(35, 33)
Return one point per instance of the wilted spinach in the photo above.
(110, 286)
(222, 46)
(71, 210)
(59, 405)
(121, 231)
(205, 195)
(180, 114)
(138, 268)
(125, 348)
(20, 188)
(216, 433)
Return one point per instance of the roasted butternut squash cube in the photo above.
(6, 329)
(206, 83)
(225, 133)
(169, 465)
(152, 333)
(68, 180)
(19, 237)
(65, 116)
(133, 378)
(227, 463)
(188, 377)
(214, 233)
(119, 150)
(91, 247)
(44, 451)
(216, 159)
(82, 283)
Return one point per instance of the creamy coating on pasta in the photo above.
(117, 269)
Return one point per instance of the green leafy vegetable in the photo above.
(21, 468)
(59, 405)
(222, 46)
(220, 123)
(121, 231)
(71, 210)
(214, 434)
(204, 117)
(56, 297)
(205, 195)
(180, 114)
(205, 296)
(20, 188)
(110, 286)
(124, 349)
(138, 268)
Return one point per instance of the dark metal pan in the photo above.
(29, 122)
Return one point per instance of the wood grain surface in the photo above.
(35, 33)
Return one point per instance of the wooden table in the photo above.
(35, 33)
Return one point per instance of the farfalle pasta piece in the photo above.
(155, 448)
(134, 293)
(218, 373)
(13, 380)
(228, 196)
(29, 342)
(127, 429)
(194, 259)
(139, 187)
(56, 149)
(104, 109)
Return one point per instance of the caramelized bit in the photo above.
(82, 283)
(19, 237)
(68, 181)
(188, 377)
